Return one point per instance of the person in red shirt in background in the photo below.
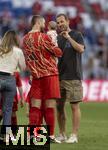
(40, 53)
(15, 102)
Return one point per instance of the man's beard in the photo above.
(42, 29)
(63, 28)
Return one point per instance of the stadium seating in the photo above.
(88, 16)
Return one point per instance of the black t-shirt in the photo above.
(70, 64)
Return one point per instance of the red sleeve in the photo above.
(49, 45)
(18, 79)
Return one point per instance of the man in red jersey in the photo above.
(40, 54)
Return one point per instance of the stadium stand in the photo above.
(88, 16)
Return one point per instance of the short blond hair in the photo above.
(35, 18)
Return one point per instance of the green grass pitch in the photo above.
(93, 133)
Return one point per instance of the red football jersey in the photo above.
(40, 54)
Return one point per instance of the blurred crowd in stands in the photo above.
(88, 16)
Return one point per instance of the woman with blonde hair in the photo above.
(11, 57)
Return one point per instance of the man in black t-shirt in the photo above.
(70, 71)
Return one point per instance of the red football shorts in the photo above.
(45, 88)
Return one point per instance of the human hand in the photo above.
(22, 102)
(30, 80)
(65, 34)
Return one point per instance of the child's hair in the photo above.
(52, 25)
